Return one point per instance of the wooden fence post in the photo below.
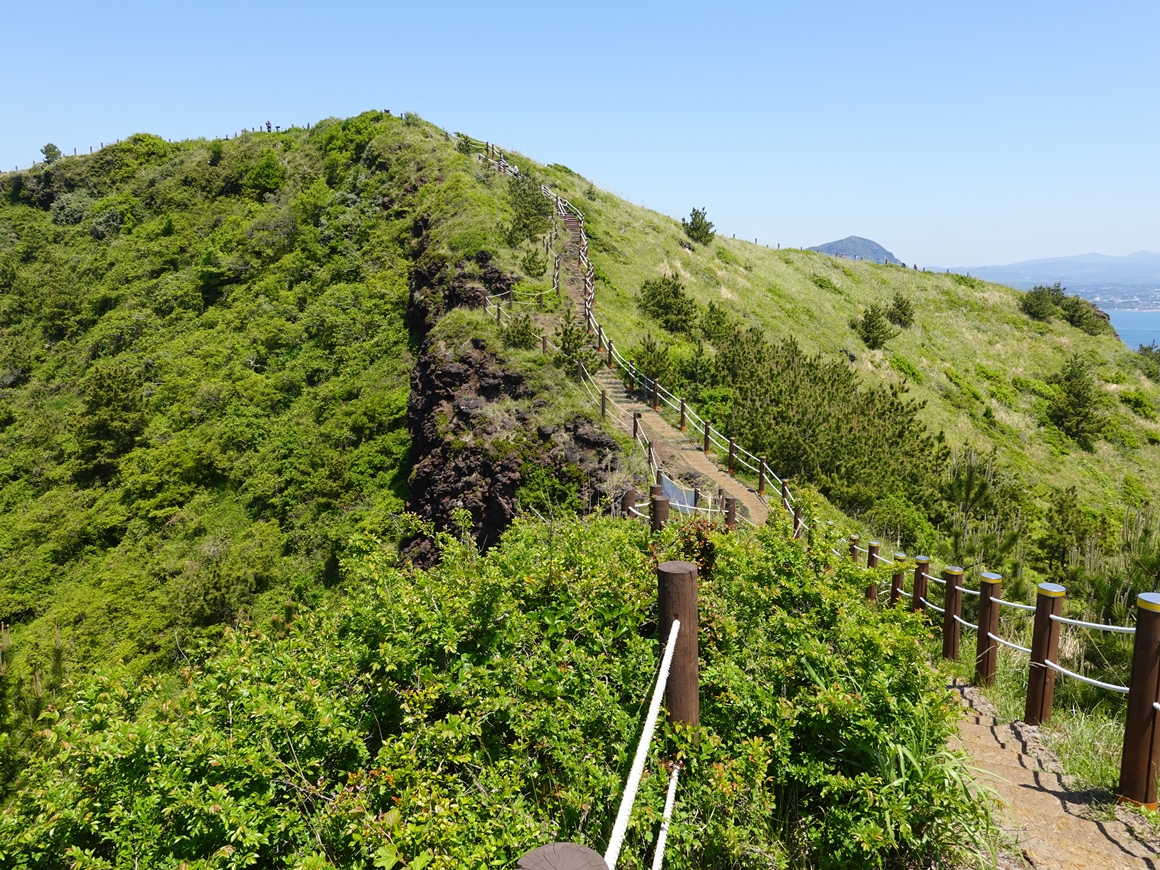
(682, 426)
(610, 353)
(707, 438)
(918, 591)
(635, 424)
(872, 562)
(696, 497)
(797, 521)
(628, 502)
(732, 456)
(952, 607)
(648, 446)
(854, 548)
(658, 507)
(544, 344)
(1141, 751)
(604, 404)
(677, 599)
(498, 307)
(986, 647)
(1044, 647)
(898, 579)
(656, 395)
(632, 377)
(660, 476)
(731, 512)
(761, 476)
(579, 371)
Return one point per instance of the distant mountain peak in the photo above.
(858, 248)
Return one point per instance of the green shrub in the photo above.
(531, 210)
(534, 264)
(965, 386)
(1042, 302)
(727, 258)
(1075, 409)
(1139, 403)
(1034, 386)
(51, 153)
(267, 175)
(462, 716)
(873, 327)
(655, 361)
(549, 492)
(520, 334)
(716, 322)
(905, 368)
(69, 209)
(895, 518)
(901, 311)
(698, 227)
(665, 300)
(824, 283)
(1084, 315)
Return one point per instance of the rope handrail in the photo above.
(1013, 646)
(907, 594)
(629, 797)
(666, 817)
(1118, 629)
(963, 622)
(931, 606)
(1111, 687)
(1014, 604)
(966, 591)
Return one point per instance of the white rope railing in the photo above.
(1099, 626)
(964, 623)
(1013, 604)
(629, 798)
(1111, 687)
(1014, 646)
(666, 817)
(931, 606)
(966, 591)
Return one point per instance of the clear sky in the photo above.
(952, 133)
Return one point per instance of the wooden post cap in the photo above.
(991, 577)
(854, 538)
(562, 856)
(1054, 590)
(677, 568)
(875, 544)
(923, 559)
(899, 557)
(1149, 601)
(954, 569)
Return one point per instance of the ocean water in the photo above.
(1136, 327)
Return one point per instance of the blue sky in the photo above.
(952, 133)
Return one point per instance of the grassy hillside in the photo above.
(979, 363)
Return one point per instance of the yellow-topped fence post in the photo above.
(986, 647)
(1141, 751)
(1044, 648)
(952, 607)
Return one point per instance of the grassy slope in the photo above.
(259, 326)
(972, 328)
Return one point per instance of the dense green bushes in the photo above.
(461, 716)
(204, 371)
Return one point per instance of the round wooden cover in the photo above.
(562, 856)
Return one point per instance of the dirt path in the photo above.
(1054, 826)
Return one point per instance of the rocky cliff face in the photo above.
(468, 451)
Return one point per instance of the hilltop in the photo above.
(858, 248)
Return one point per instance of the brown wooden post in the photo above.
(682, 427)
(1044, 647)
(898, 579)
(511, 294)
(696, 497)
(918, 591)
(599, 338)
(730, 512)
(635, 425)
(544, 344)
(952, 607)
(579, 371)
(648, 445)
(677, 599)
(658, 507)
(632, 377)
(656, 395)
(628, 502)
(986, 647)
(498, 306)
(872, 562)
(797, 521)
(610, 354)
(660, 477)
(707, 439)
(854, 548)
(1141, 751)
(604, 404)
(732, 456)
(761, 476)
